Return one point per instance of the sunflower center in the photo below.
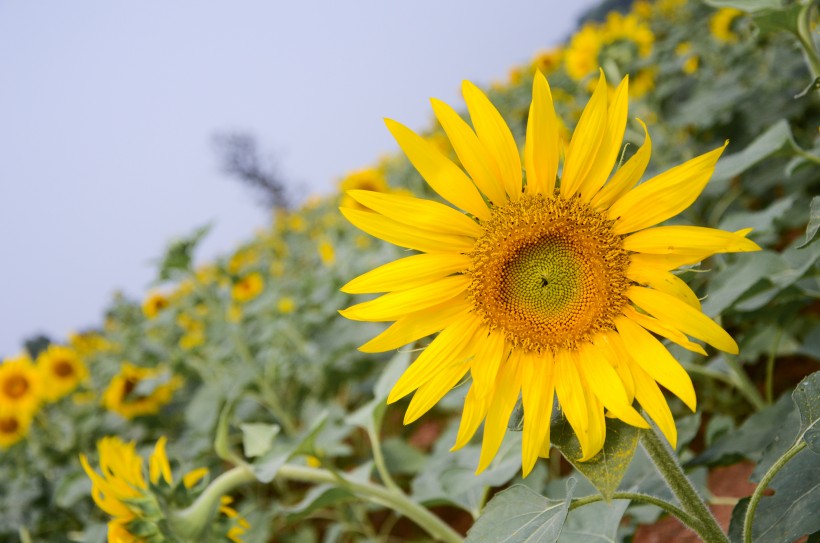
(16, 386)
(548, 272)
(8, 425)
(64, 369)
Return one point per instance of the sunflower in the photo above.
(20, 386)
(61, 370)
(248, 287)
(721, 25)
(124, 396)
(537, 289)
(14, 426)
(154, 303)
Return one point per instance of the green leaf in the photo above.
(606, 469)
(71, 488)
(736, 524)
(257, 437)
(814, 221)
(749, 6)
(732, 282)
(771, 21)
(519, 515)
(594, 523)
(179, 254)
(792, 511)
(369, 415)
(266, 467)
(807, 399)
(777, 138)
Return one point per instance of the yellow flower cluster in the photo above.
(25, 386)
(137, 391)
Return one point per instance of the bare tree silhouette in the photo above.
(240, 158)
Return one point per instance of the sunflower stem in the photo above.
(190, 522)
(693, 504)
(673, 510)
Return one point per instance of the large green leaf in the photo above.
(606, 469)
(807, 399)
(777, 138)
(519, 515)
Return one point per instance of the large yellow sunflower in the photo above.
(540, 288)
(20, 386)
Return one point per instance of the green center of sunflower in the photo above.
(548, 272)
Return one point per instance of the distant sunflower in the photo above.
(14, 426)
(61, 370)
(722, 24)
(20, 386)
(124, 396)
(154, 303)
(541, 290)
(248, 287)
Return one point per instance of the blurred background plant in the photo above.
(244, 363)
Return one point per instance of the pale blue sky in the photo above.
(107, 111)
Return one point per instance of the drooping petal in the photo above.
(158, 463)
(443, 352)
(688, 239)
(682, 316)
(418, 213)
(440, 384)
(665, 195)
(664, 281)
(610, 143)
(596, 425)
(409, 272)
(570, 391)
(537, 393)
(652, 356)
(541, 150)
(471, 152)
(651, 399)
(662, 329)
(415, 326)
(606, 384)
(494, 133)
(475, 409)
(507, 388)
(441, 174)
(406, 236)
(627, 176)
(586, 140)
(491, 352)
(394, 305)
(611, 346)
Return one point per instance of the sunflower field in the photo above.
(596, 318)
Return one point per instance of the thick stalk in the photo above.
(667, 464)
(764, 483)
(192, 520)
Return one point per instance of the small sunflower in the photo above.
(248, 287)
(62, 371)
(368, 179)
(20, 386)
(124, 396)
(153, 304)
(721, 25)
(14, 426)
(541, 289)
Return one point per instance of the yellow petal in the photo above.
(442, 353)
(627, 176)
(491, 351)
(415, 326)
(392, 306)
(665, 195)
(667, 262)
(688, 239)
(194, 476)
(442, 382)
(158, 463)
(611, 346)
(475, 409)
(586, 140)
(537, 393)
(418, 213)
(664, 281)
(406, 236)
(571, 394)
(494, 133)
(605, 383)
(662, 329)
(651, 399)
(409, 272)
(441, 174)
(507, 388)
(471, 152)
(654, 359)
(596, 425)
(690, 321)
(542, 147)
(610, 143)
